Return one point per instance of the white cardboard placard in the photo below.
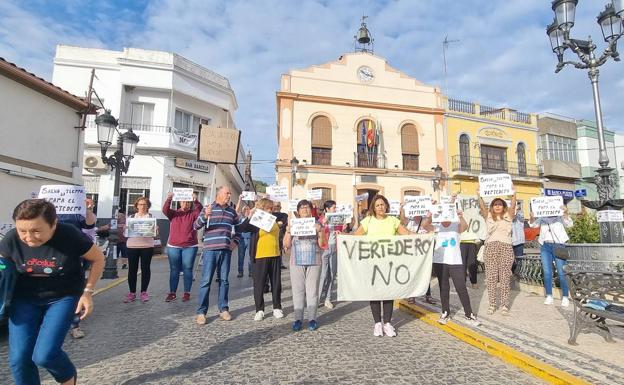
(278, 193)
(181, 194)
(361, 197)
(140, 227)
(67, 199)
(315, 195)
(547, 206)
(492, 185)
(417, 206)
(444, 212)
(263, 220)
(302, 227)
(248, 196)
(610, 216)
(395, 208)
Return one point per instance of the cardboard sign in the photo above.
(248, 196)
(182, 194)
(217, 144)
(477, 229)
(315, 195)
(610, 216)
(263, 220)
(361, 197)
(547, 206)
(278, 193)
(492, 185)
(395, 208)
(140, 227)
(292, 205)
(302, 227)
(375, 269)
(67, 199)
(335, 219)
(417, 206)
(444, 212)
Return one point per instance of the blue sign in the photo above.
(566, 194)
(580, 193)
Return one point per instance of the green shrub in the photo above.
(585, 229)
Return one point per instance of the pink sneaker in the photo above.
(144, 296)
(130, 297)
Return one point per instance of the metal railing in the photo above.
(492, 112)
(472, 108)
(529, 270)
(461, 106)
(144, 127)
(477, 165)
(520, 117)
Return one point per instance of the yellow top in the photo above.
(380, 227)
(268, 243)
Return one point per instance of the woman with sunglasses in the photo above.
(498, 252)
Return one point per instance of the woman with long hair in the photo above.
(498, 252)
(378, 223)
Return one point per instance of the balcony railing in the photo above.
(521, 117)
(461, 106)
(476, 165)
(144, 127)
(499, 113)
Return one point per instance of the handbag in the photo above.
(560, 250)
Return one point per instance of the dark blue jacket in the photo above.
(8, 276)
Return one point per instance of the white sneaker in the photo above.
(548, 300)
(472, 320)
(444, 317)
(328, 304)
(565, 302)
(278, 313)
(389, 330)
(378, 330)
(260, 316)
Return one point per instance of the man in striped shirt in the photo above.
(217, 219)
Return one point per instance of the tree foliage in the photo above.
(260, 186)
(585, 229)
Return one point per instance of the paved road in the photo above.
(159, 343)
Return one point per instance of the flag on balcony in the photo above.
(363, 132)
(370, 134)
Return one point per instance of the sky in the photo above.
(502, 57)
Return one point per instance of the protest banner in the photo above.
(361, 197)
(492, 185)
(444, 212)
(67, 199)
(345, 208)
(383, 268)
(417, 206)
(469, 205)
(337, 218)
(182, 194)
(610, 216)
(547, 206)
(218, 144)
(302, 227)
(315, 195)
(262, 220)
(278, 193)
(395, 208)
(292, 205)
(248, 196)
(140, 227)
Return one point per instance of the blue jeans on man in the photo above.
(181, 259)
(243, 246)
(547, 253)
(37, 329)
(213, 260)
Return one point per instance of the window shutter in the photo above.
(321, 132)
(409, 139)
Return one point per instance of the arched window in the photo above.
(367, 144)
(321, 140)
(521, 150)
(464, 152)
(409, 147)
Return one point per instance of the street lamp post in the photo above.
(437, 177)
(611, 23)
(119, 162)
(294, 163)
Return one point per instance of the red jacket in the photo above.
(181, 233)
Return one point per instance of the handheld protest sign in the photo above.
(315, 195)
(249, 196)
(263, 220)
(395, 208)
(182, 194)
(444, 212)
(472, 215)
(278, 193)
(67, 199)
(547, 206)
(417, 206)
(301, 227)
(292, 205)
(335, 219)
(361, 197)
(140, 227)
(493, 185)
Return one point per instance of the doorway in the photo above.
(364, 205)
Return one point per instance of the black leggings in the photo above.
(263, 269)
(387, 310)
(145, 256)
(458, 275)
(469, 252)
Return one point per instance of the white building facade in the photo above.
(41, 139)
(163, 98)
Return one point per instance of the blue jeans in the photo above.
(213, 259)
(37, 329)
(243, 246)
(548, 257)
(328, 274)
(181, 259)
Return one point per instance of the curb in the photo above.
(511, 356)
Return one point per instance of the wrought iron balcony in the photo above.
(144, 127)
(483, 111)
(475, 165)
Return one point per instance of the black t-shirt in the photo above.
(51, 270)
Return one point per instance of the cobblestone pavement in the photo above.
(159, 343)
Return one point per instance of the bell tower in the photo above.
(363, 41)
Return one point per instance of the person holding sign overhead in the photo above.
(498, 253)
(182, 244)
(305, 268)
(264, 250)
(139, 248)
(551, 237)
(378, 223)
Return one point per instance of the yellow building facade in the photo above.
(486, 140)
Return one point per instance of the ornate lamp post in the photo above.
(437, 177)
(294, 162)
(611, 23)
(119, 161)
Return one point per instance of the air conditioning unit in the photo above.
(94, 163)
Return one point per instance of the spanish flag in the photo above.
(370, 134)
